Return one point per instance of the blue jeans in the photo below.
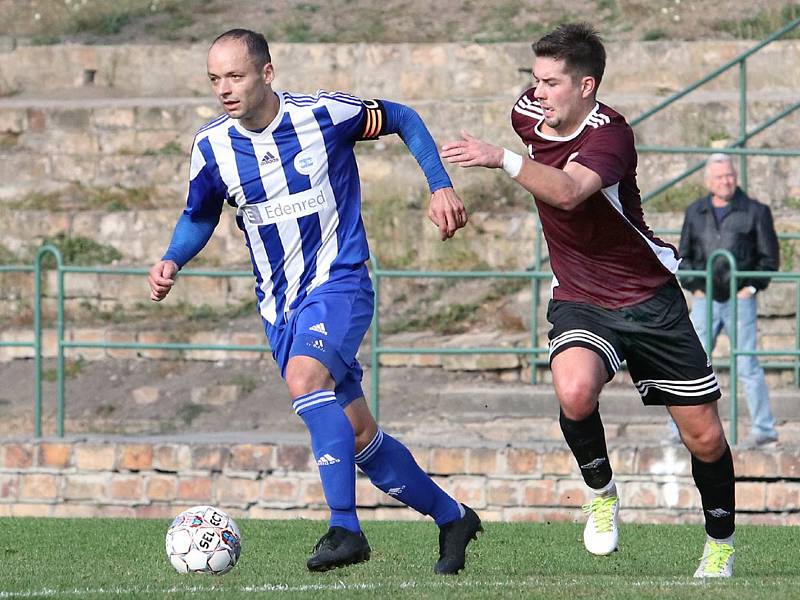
(748, 368)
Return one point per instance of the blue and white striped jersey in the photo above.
(296, 189)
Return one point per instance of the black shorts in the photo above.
(665, 358)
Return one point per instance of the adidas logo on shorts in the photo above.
(317, 345)
(326, 460)
(319, 328)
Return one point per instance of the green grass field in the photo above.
(119, 558)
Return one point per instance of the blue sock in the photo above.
(333, 444)
(391, 468)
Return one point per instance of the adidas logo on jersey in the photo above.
(327, 460)
(268, 159)
(396, 491)
(319, 328)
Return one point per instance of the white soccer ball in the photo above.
(203, 539)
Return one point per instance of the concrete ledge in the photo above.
(402, 70)
(157, 478)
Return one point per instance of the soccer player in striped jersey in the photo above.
(614, 292)
(285, 162)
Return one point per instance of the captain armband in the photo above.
(374, 120)
(512, 162)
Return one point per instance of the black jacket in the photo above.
(746, 231)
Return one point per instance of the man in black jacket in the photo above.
(726, 218)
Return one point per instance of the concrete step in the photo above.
(403, 71)
(619, 401)
(130, 397)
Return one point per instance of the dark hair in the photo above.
(579, 46)
(257, 46)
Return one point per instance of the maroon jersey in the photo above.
(601, 252)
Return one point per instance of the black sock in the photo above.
(587, 440)
(715, 482)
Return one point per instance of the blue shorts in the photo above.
(329, 326)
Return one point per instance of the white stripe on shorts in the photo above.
(694, 387)
(593, 339)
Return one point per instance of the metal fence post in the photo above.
(796, 325)
(535, 292)
(733, 336)
(743, 121)
(37, 334)
(60, 384)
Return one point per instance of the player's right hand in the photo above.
(161, 279)
(470, 151)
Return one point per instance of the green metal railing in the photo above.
(733, 333)
(536, 275)
(737, 146)
(533, 351)
(35, 343)
(62, 344)
(377, 350)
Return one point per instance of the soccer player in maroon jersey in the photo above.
(614, 292)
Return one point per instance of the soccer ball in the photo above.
(203, 539)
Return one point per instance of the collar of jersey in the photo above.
(269, 128)
(573, 135)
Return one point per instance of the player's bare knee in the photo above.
(364, 437)
(707, 445)
(304, 376)
(301, 383)
(364, 430)
(578, 398)
(364, 426)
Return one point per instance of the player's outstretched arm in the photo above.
(446, 209)
(191, 234)
(161, 279)
(564, 189)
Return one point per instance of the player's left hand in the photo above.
(472, 152)
(447, 212)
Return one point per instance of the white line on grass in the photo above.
(341, 586)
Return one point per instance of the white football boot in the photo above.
(717, 559)
(601, 534)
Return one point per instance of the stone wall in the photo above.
(409, 71)
(133, 123)
(146, 478)
(123, 116)
(132, 128)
